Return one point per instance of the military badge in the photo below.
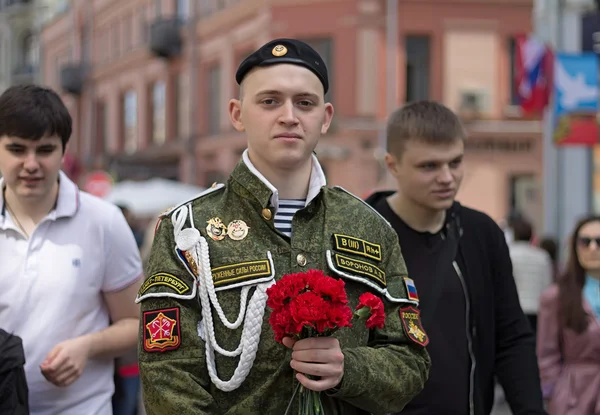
(191, 262)
(411, 320)
(237, 230)
(162, 330)
(411, 289)
(216, 229)
(279, 50)
(187, 259)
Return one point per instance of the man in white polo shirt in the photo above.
(68, 263)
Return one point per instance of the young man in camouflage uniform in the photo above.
(207, 347)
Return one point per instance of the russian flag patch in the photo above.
(411, 289)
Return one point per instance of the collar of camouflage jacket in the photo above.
(248, 176)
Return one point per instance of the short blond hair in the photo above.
(427, 121)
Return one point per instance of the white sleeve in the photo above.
(123, 262)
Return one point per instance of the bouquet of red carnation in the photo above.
(311, 304)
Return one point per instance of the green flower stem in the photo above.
(287, 410)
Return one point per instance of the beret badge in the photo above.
(279, 50)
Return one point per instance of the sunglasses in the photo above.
(587, 241)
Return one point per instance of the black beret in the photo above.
(290, 51)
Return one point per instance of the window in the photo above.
(130, 130)
(417, 67)
(214, 100)
(324, 47)
(183, 105)
(101, 128)
(183, 9)
(116, 40)
(512, 50)
(144, 18)
(127, 33)
(159, 126)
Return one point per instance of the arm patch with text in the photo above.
(166, 280)
(411, 321)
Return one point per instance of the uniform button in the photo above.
(266, 214)
(301, 259)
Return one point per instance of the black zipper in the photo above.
(469, 337)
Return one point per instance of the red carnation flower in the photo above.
(372, 309)
(340, 316)
(282, 323)
(312, 304)
(307, 304)
(332, 289)
(285, 290)
(309, 310)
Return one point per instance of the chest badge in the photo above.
(237, 230)
(216, 229)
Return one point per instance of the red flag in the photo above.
(534, 63)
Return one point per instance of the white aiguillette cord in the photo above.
(191, 240)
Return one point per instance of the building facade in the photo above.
(20, 25)
(148, 84)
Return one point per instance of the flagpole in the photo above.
(560, 154)
(549, 29)
(391, 87)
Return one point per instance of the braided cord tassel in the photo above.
(250, 333)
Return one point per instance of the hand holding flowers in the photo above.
(307, 308)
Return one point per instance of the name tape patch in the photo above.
(361, 267)
(357, 246)
(162, 330)
(167, 280)
(243, 271)
(411, 320)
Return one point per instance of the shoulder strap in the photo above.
(447, 255)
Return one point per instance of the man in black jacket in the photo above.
(460, 263)
(13, 385)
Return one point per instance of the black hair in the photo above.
(32, 112)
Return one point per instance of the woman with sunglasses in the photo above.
(568, 344)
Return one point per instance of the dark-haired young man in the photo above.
(68, 263)
(459, 261)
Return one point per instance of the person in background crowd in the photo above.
(13, 384)
(459, 261)
(130, 218)
(68, 263)
(127, 374)
(550, 245)
(568, 344)
(532, 269)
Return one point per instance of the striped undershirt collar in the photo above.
(317, 180)
(285, 214)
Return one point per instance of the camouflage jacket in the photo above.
(335, 232)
